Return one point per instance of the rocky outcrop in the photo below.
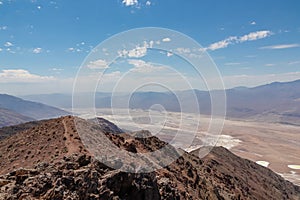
(77, 177)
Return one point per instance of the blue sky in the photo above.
(42, 43)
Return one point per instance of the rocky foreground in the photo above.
(47, 160)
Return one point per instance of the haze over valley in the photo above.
(281, 105)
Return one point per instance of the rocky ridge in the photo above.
(64, 169)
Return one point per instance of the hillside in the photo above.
(59, 167)
(29, 109)
(9, 118)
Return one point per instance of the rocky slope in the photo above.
(49, 161)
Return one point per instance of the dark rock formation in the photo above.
(77, 177)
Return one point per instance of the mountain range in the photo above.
(47, 160)
(275, 102)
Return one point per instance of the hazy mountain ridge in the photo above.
(65, 169)
(9, 118)
(274, 102)
(14, 110)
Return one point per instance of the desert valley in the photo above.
(244, 147)
(149, 100)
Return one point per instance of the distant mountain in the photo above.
(56, 100)
(9, 118)
(49, 161)
(275, 102)
(279, 102)
(62, 100)
(29, 109)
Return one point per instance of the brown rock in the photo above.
(75, 174)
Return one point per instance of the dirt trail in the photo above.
(69, 137)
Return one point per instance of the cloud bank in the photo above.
(22, 76)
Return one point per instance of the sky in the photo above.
(43, 43)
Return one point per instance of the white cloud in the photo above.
(281, 46)
(166, 39)
(10, 50)
(123, 53)
(253, 23)
(1, 2)
(186, 52)
(3, 28)
(148, 3)
(8, 44)
(71, 49)
(130, 2)
(37, 50)
(39, 7)
(21, 76)
(234, 39)
(181, 50)
(255, 36)
(222, 44)
(81, 47)
(169, 54)
(137, 52)
(56, 69)
(150, 45)
(219, 45)
(284, 31)
(98, 64)
(0, 49)
(145, 67)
